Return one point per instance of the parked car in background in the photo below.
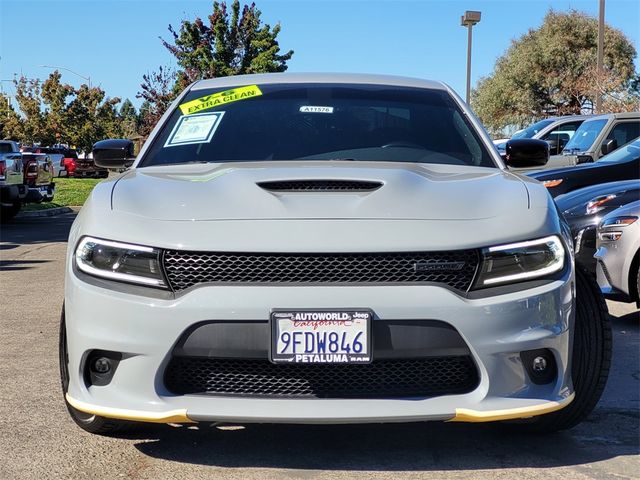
(618, 254)
(584, 208)
(70, 161)
(38, 177)
(12, 188)
(595, 137)
(598, 136)
(622, 164)
(340, 266)
(57, 159)
(86, 167)
(556, 131)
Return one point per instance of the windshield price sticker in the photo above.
(220, 98)
(194, 129)
(321, 336)
(311, 109)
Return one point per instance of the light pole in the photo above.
(600, 53)
(88, 79)
(469, 19)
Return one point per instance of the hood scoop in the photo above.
(319, 186)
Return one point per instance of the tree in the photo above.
(158, 92)
(551, 71)
(128, 119)
(51, 112)
(232, 43)
(55, 97)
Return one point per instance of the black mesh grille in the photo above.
(455, 269)
(320, 185)
(422, 377)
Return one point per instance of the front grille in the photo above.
(320, 186)
(424, 377)
(455, 268)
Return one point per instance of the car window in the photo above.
(585, 135)
(5, 148)
(624, 132)
(626, 153)
(559, 137)
(318, 122)
(565, 131)
(531, 130)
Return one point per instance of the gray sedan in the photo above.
(618, 253)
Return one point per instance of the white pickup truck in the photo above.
(24, 178)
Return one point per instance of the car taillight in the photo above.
(32, 170)
(3, 167)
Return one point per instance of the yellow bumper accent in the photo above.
(467, 415)
(170, 416)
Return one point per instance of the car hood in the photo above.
(199, 192)
(577, 198)
(555, 173)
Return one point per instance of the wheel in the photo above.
(590, 362)
(8, 212)
(86, 421)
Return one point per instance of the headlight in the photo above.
(608, 231)
(120, 261)
(520, 261)
(597, 204)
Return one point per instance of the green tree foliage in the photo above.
(52, 112)
(128, 119)
(551, 71)
(234, 41)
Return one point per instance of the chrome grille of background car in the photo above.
(187, 268)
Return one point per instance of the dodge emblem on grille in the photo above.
(424, 267)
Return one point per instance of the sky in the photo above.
(115, 42)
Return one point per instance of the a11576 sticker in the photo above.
(220, 98)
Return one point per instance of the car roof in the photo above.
(622, 115)
(346, 78)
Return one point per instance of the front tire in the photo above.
(90, 423)
(591, 358)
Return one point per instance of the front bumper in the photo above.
(146, 328)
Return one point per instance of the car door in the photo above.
(558, 137)
(621, 133)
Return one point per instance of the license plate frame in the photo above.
(356, 315)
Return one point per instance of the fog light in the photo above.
(102, 365)
(539, 364)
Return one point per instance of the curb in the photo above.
(49, 212)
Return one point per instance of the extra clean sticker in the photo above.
(190, 129)
(220, 98)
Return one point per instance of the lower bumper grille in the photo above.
(424, 377)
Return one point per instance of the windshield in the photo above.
(584, 137)
(626, 153)
(531, 130)
(318, 122)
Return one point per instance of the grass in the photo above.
(70, 192)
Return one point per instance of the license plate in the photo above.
(321, 336)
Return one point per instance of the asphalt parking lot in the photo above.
(39, 440)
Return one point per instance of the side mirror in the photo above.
(609, 146)
(113, 153)
(526, 153)
(554, 147)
